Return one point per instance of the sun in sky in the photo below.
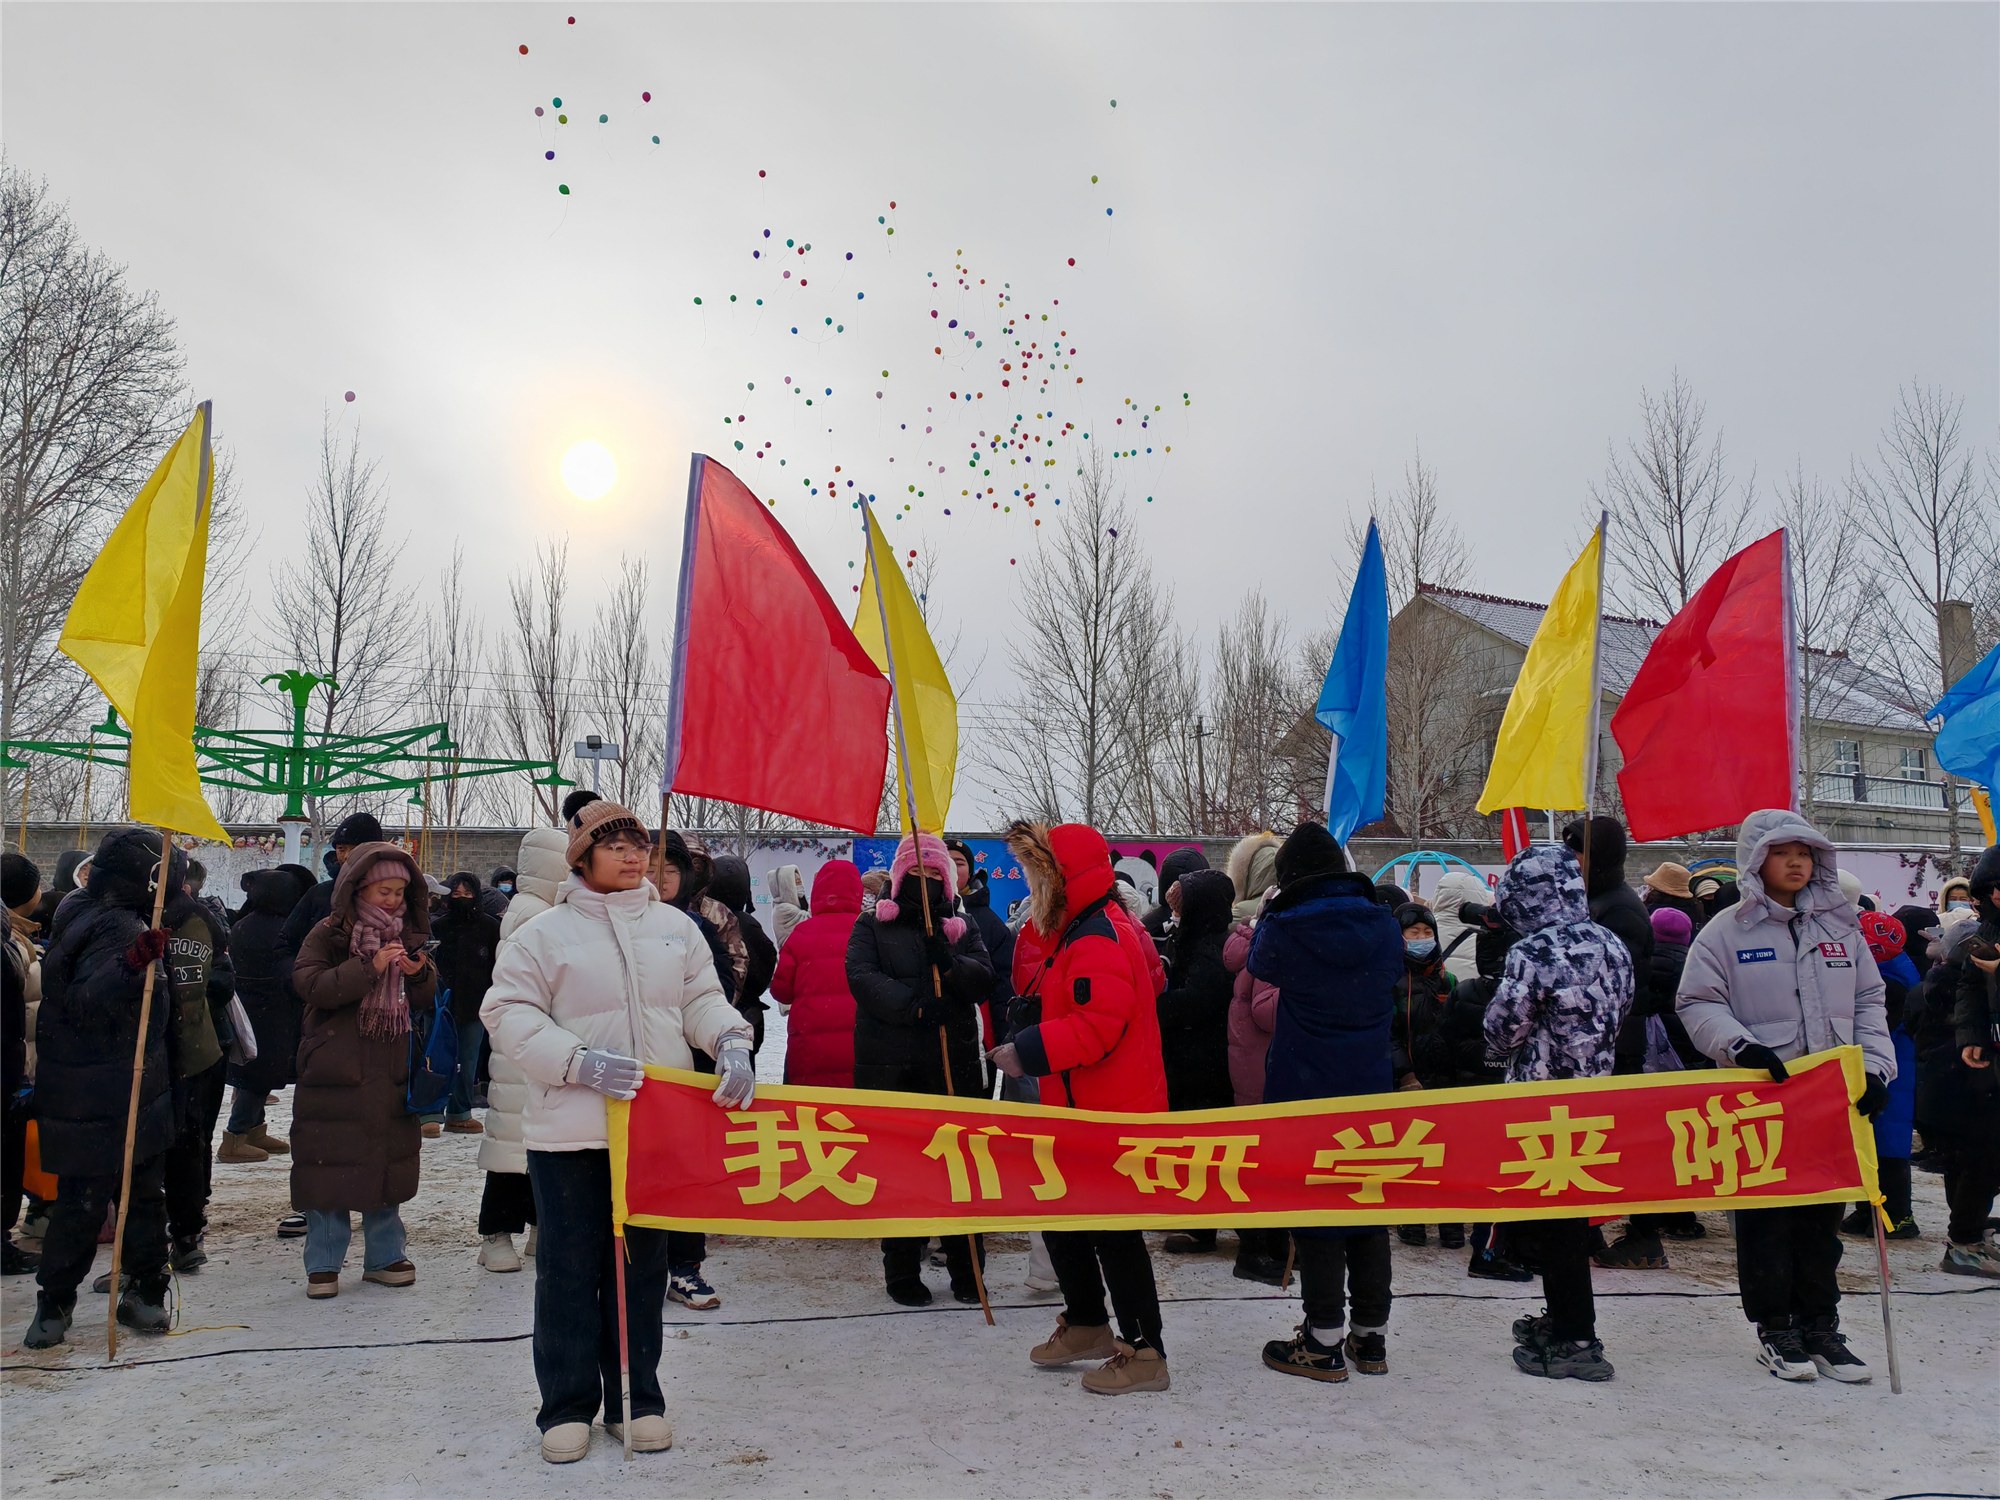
(588, 470)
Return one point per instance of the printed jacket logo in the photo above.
(1756, 955)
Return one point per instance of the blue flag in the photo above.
(1354, 701)
(1969, 743)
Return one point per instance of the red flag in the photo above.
(1709, 726)
(1513, 832)
(774, 704)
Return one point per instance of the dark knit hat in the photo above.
(1986, 874)
(1410, 913)
(20, 880)
(1310, 850)
(121, 868)
(358, 828)
(595, 822)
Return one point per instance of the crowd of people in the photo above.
(1285, 976)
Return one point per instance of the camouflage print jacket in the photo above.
(1568, 982)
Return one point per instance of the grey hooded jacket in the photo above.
(1796, 980)
(1568, 982)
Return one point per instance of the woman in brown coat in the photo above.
(354, 1144)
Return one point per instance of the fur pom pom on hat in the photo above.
(928, 850)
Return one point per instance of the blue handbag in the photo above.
(433, 1061)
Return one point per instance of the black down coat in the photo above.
(1194, 1007)
(889, 971)
(85, 1036)
(263, 963)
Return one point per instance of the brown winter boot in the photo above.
(1128, 1370)
(1067, 1345)
(264, 1141)
(240, 1148)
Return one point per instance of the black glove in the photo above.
(146, 949)
(1757, 1055)
(1874, 1097)
(937, 1010)
(937, 948)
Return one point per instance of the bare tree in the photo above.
(1256, 697)
(541, 696)
(90, 398)
(454, 651)
(1832, 594)
(623, 697)
(1082, 607)
(1675, 511)
(339, 612)
(1420, 541)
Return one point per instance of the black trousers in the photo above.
(191, 1158)
(576, 1294)
(903, 1259)
(506, 1204)
(1087, 1261)
(1562, 1248)
(77, 1216)
(13, 1166)
(1270, 1243)
(1971, 1178)
(1338, 1271)
(1894, 1175)
(1785, 1263)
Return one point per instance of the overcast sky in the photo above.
(1342, 230)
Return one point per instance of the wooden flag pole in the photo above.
(160, 873)
(923, 886)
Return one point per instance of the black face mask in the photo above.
(913, 892)
(463, 903)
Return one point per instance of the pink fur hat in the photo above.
(936, 861)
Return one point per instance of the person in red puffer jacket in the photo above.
(1096, 976)
(812, 981)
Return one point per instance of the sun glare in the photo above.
(589, 470)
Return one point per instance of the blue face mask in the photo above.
(1421, 948)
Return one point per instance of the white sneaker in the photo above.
(1783, 1352)
(534, 1239)
(496, 1253)
(649, 1434)
(566, 1442)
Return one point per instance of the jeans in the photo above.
(465, 1082)
(191, 1158)
(327, 1235)
(246, 1111)
(1337, 1270)
(576, 1294)
(1786, 1259)
(78, 1214)
(1089, 1260)
(507, 1204)
(1562, 1247)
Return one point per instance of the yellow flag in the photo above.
(135, 626)
(1539, 759)
(1982, 803)
(891, 630)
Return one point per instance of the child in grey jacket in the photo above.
(1783, 973)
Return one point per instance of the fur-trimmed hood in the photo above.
(1068, 868)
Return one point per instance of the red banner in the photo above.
(855, 1163)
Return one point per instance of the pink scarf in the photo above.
(385, 1013)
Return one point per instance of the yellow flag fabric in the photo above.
(1544, 740)
(1982, 803)
(136, 624)
(891, 630)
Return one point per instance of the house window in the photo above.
(1846, 758)
(1914, 763)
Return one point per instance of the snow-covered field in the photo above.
(809, 1381)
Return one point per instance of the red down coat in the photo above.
(1097, 1045)
(812, 980)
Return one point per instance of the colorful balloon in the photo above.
(350, 394)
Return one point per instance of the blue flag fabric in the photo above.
(1354, 701)
(1969, 743)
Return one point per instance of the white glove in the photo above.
(739, 1074)
(611, 1074)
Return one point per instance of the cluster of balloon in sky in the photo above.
(977, 411)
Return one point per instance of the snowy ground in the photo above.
(809, 1381)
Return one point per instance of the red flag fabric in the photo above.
(1709, 726)
(774, 704)
(1513, 832)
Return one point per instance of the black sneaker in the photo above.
(1782, 1351)
(1451, 1236)
(51, 1323)
(292, 1227)
(911, 1293)
(1634, 1252)
(1533, 1329)
(1260, 1268)
(1826, 1347)
(1857, 1226)
(687, 1287)
(1906, 1229)
(1490, 1267)
(1564, 1359)
(189, 1255)
(1302, 1354)
(1683, 1227)
(1368, 1353)
(966, 1292)
(1413, 1234)
(142, 1307)
(1191, 1242)
(14, 1261)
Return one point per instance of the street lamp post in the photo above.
(596, 749)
